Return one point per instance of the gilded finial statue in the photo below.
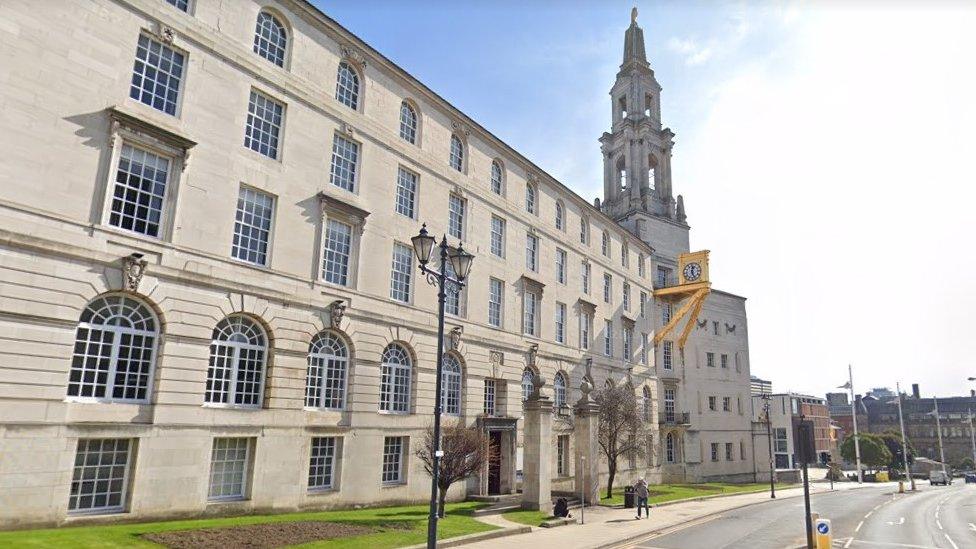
(633, 15)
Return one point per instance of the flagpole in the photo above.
(857, 444)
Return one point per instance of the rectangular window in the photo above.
(628, 343)
(401, 273)
(560, 266)
(321, 469)
(669, 397)
(710, 360)
(726, 404)
(455, 216)
(182, 5)
(406, 192)
(715, 327)
(345, 158)
(562, 455)
(264, 117)
(140, 191)
(626, 296)
(452, 293)
(643, 353)
(489, 397)
(585, 277)
(742, 450)
(608, 337)
(643, 303)
(530, 314)
(252, 226)
(712, 403)
(531, 252)
(586, 325)
(728, 451)
(667, 309)
(336, 252)
(607, 288)
(393, 452)
(714, 451)
(496, 295)
(100, 478)
(560, 322)
(667, 355)
(640, 265)
(157, 75)
(725, 361)
(497, 236)
(228, 468)
(663, 277)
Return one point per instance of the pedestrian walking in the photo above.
(640, 490)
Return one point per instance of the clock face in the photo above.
(692, 272)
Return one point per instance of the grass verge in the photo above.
(531, 518)
(396, 527)
(660, 493)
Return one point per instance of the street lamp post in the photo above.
(857, 445)
(904, 440)
(938, 429)
(769, 438)
(460, 261)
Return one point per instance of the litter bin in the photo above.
(629, 501)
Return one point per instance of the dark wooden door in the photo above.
(495, 462)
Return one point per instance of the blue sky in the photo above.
(824, 151)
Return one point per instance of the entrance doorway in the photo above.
(494, 462)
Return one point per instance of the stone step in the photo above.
(496, 509)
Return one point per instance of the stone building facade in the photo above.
(209, 302)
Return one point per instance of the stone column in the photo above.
(586, 429)
(536, 451)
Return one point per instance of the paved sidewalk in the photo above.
(606, 526)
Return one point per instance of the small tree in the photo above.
(966, 464)
(622, 429)
(874, 453)
(466, 451)
(892, 441)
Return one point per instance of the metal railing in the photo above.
(675, 418)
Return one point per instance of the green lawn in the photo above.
(457, 523)
(532, 518)
(670, 492)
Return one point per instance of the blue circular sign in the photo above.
(823, 527)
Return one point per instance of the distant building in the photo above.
(783, 408)
(760, 386)
(881, 392)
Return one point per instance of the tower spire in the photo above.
(634, 43)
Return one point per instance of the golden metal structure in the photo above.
(693, 288)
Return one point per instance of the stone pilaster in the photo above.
(585, 430)
(536, 474)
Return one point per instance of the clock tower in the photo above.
(637, 155)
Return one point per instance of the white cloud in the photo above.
(833, 181)
(692, 52)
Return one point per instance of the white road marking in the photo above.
(848, 544)
(901, 521)
(859, 525)
(868, 515)
(952, 543)
(972, 527)
(891, 544)
(939, 524)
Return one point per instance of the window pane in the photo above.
(270, 39)
(347, 86)
(326, 377)
(264, 116)
(496, 178)
(156, 75)
(228, 468)
(345, 155)
(139, 192)
(236, 370)
(400, 275)
(336, 252)
(408, 123)
(322, 463)
(393, 460)
(406, 192)
(457, 153)
(100, 475)
(495, 295)
(455, 216)
(252, 227)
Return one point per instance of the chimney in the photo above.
(915, 393)
(972, 393)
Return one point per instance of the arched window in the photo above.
(115, 350)
(530, 198)
(457, 153)
(527, 385)
(408, 123)
(646, 404)
(670, 449)
(328, 371)
(606, 244)
(559, 387)
(496, 177)
(270, 39)
(560, 216)
(584, 230)
(451, 386)
(395, 383)
(347, 86)
(236, 372)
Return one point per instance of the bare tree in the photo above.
(623, 432)
(466, 451)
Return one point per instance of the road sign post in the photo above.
(824, 534)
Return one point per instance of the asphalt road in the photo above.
(869, 518)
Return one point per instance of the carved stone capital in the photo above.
(461, 127)
(354, 56)
(455, 337)
(336, 311)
